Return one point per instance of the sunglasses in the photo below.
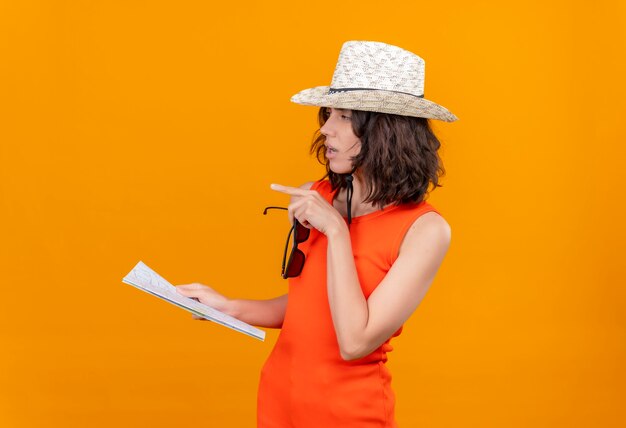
(292, 267)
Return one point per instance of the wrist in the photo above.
(231, 307)
(338, 231)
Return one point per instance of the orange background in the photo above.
(151, 130)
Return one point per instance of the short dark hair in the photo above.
(399, 156)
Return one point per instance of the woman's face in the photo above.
(341, 143)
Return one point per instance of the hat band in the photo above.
(334, 91)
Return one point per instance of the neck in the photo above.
(358, 195)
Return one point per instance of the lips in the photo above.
(330, 151)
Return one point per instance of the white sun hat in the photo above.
(376, 76)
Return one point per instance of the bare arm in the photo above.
(363, 325)
(261, 313)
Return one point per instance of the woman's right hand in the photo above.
(206, 295)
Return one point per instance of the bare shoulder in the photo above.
(430, 231)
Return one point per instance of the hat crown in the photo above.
(377, 65)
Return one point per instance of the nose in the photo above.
(327, 129)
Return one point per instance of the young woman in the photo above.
(368, 246)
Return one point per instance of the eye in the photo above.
(346, 117)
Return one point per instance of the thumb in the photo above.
(192, 286)
(188, 292)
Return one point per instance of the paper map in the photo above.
(144, 278)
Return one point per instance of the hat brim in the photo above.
(374, 100)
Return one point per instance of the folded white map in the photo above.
(144, 278)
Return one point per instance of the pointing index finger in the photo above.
(294, 191)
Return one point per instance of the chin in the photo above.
(340, 169)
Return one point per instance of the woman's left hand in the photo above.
(312, 210)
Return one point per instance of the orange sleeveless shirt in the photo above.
(305, 382)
